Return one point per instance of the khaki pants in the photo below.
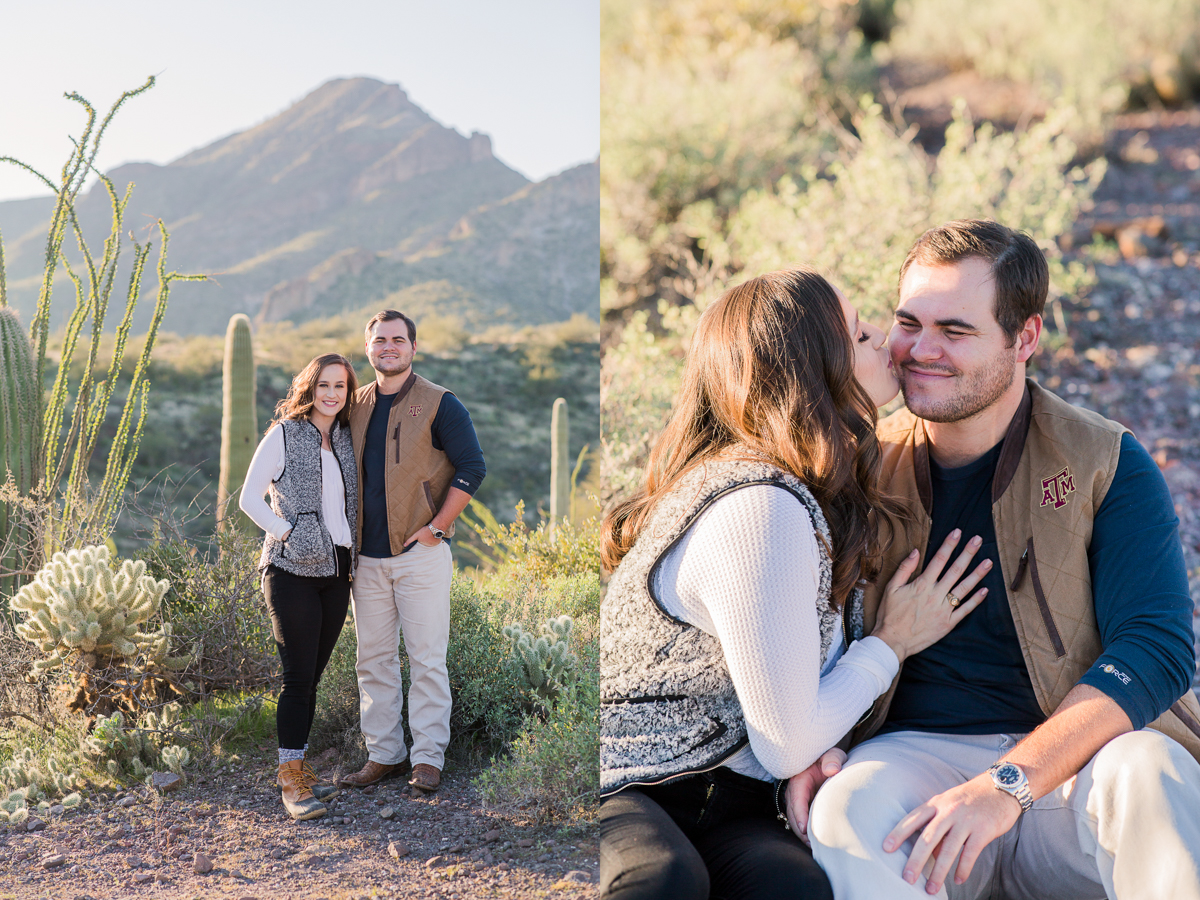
(1127, 826)
(409, 592)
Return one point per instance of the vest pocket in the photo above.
(429, 497)
(1060, 649)
(656, 731)
(305, 546)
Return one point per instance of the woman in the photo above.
(724, 631)
(306, 463)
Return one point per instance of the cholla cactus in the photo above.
(78, 606)
(175, 758)
(32, 779)
(123, 751)
(545, 664)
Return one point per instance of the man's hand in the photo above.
(803, 787)
(967, 818)
(423, 536)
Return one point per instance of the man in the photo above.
(419, 463)
(1016, 741)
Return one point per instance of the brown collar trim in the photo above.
(1014, 446)
(1006, 465)
(408, 383)
(921, 467)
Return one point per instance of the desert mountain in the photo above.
(351, 197)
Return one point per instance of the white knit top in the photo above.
(747, 572)
(267, 465)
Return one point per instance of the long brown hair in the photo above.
(770, 374)
(303, 391)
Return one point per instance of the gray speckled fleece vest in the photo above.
(296, 496)
(668, 706)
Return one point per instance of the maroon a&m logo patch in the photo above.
(414, 411)
(1056, 488)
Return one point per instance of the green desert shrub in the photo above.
(1090, 53)
(215, 606)
(552, 770)
(702, 101)
(517, 552)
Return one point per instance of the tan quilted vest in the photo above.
(417, 476)
(1055, 468)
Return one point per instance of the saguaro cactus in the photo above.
(239, 420)
(19, 436)
(560, 465)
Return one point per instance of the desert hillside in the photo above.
(352, 196)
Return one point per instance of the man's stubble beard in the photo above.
(395, 366)
(977, 392)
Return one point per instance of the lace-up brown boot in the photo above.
(322, 790)
(298, 798)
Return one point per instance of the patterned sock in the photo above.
(289, 755)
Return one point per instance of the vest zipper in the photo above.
(396, 436)
(1021, 566)
(1029, 561)
(708, 792)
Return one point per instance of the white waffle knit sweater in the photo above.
(747, 573)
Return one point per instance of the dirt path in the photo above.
(141, 845)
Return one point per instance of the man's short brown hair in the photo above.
(1019, 268)
(390, 315)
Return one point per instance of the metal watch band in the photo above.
(436, 532)
(1019, 791)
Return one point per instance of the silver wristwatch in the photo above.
(436, 532)
(1009, 778)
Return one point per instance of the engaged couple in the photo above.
(365, 485)
(981, 597)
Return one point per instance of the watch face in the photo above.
(1008, 775)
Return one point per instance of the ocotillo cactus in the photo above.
(18, 434)
(560, 465)
(78, 605)
(239, 420)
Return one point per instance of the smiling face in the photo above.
(389, 349)
(952, 357)
(872, 362)
(332, 388)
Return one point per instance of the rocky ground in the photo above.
(225, 835)
(1134, 341)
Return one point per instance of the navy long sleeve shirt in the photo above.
(974, 680)
(451, 432)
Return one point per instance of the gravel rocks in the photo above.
(54, 861)
(198, 839)
(165, 782)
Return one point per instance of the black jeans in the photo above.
(713, 835)
(307, 615)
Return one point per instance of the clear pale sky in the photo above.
(526, 72)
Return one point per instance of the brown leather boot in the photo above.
(371, 773)
(298, 799)
(425, 778)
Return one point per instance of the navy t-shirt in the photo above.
(451, 432)
(974, 680)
